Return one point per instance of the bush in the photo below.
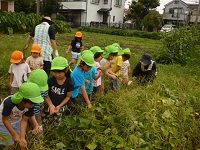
(124, 32)
(178, 47)
(13, 22)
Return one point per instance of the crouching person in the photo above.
(145, 71)
(15, 111)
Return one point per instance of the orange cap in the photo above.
(36, 48)
(78, 34)
(16, 56)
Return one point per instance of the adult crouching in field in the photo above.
(145, 71)
(44, 35)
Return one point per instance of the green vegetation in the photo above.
(124, 32)
(164, 115)
(13, 22)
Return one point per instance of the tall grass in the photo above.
(164, 115)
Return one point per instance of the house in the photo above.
(93, 12)
(179, 12)
(7, 5)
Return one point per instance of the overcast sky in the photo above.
(163, 2)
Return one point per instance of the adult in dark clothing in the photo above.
(145, 70)
(44, 35)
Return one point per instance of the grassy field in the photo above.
(164, 115)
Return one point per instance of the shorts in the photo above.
(6, 137)
(14, 90)
(76, 55)
(114, 85)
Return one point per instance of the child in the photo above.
(108, 55)
(60, 89)
(76, 47)
(35, 61)
(116, 66)
(126, 66)
(97, 51)
(90, 76)
(40, 78)
(145, 71)
(19, 71)
(85, 63)
(15, 110)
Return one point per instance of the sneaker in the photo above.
(129, 82)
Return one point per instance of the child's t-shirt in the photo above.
(19, 72)
(57, 92)
(118, 63)
(8, 108)
(125, 67)
(97, 82)
(104, 62)
(38, 62)
(89, 76)
(76, 46)
(78, 79)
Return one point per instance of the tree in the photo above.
(152, 20)
(49, 7)
(27, 6)
(139, 9)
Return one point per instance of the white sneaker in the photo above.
(129, 82)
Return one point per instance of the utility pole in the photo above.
(197, 17)
(38, 7)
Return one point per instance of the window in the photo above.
(95, 1)
(105, 1)
(113, 18)
(118, 2)
(177, 12)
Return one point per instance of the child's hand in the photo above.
(87, 81)
(52, 110)
(36, 129)
(67, 52)
(16, 138)
(114, 77)
(23, 143)
(57, 109)
(89, 106)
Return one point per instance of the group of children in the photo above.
(64, 91)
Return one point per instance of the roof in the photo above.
(104, 10)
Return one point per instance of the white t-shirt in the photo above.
(14, 113)
(35, 61)
(19, 72)
(125, 66)
(104, 62)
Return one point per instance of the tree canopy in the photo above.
(139, 9)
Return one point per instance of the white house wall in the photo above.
(92, 14)
(118, 12)
(10, 5)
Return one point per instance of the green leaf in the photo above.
(92, 146)
(166, 114)
(60, 146)
(84, 122)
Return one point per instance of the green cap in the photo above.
(29, 91)
(87, 52)
(127, 51)
(109, 49)
(39, 77)
(59, 63)
(118, 47)
(88, 58)
(96, 49)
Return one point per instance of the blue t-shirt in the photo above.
(78, 80)
(89, 76)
